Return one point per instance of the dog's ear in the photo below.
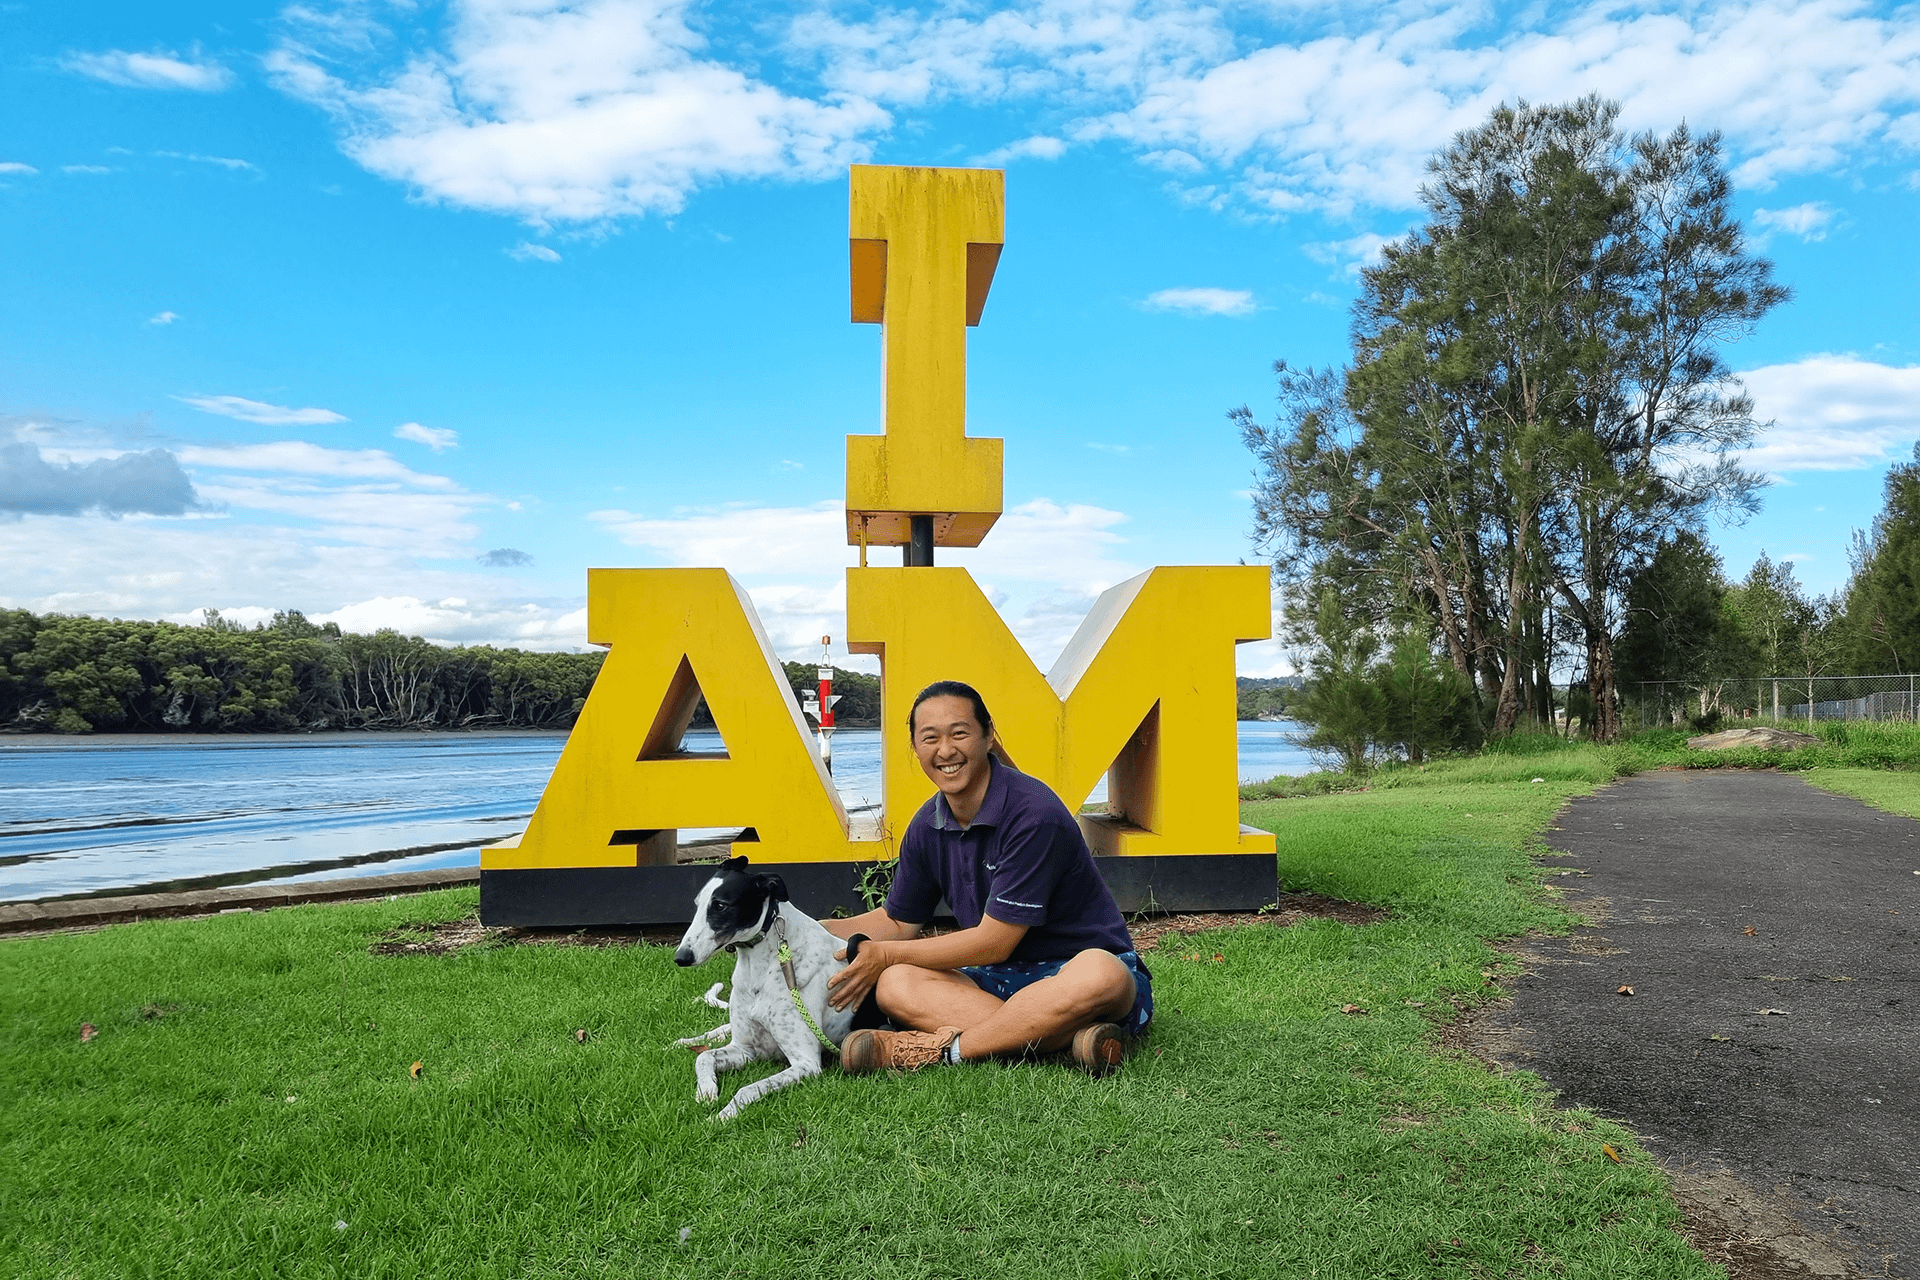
(735, 864)
(773, 886)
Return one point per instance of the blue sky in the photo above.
(407, 314)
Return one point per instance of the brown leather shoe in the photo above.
(894, 1050)
(1099, 1049)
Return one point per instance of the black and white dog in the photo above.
(750, 916)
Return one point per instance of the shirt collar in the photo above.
(993, 805)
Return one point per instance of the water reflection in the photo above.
(145, 814)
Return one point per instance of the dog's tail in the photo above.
(713, 996)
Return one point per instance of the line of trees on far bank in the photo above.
(77, 674)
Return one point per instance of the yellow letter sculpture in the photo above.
(924, 246)
(1144, 693)
(622, 786)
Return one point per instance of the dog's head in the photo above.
(733, 906)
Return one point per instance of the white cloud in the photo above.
(1341, 111)
(1110, 448)
(607, 108)
(273, 526)
(528, 251)
(1350, 255)
(1808, 221)
(86, 168)
(745, 540)
(224, 162)
(456, 621)
(438, 439)
(14, 166)
(1834, 413)
(1038, 147)
(1071, 547)
(299, 457)
(267, 415)
(165, 317)
(597, 109)
(151, 70)
(1043, 565)
(1203, 302)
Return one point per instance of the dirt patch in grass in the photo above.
(1292, 908)
(450, 936)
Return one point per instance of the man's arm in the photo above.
(989, 942)
(876, 924)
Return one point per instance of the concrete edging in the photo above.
(71, 913)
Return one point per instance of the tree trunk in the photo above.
(1602, 687)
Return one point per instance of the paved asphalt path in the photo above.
(1720, 894)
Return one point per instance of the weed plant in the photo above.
(247, 1108)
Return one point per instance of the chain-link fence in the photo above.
(1781, 698)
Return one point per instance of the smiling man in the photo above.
(1042, 959)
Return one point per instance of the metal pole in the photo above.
(920, 548)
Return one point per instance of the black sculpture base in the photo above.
(577, 897)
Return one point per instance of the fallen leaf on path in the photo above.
(580, 1035)
(1775, 1012)
(413, 1072)
(1838, 977)
(1750, 932)
(1611, 1153)
(1351, 1009)
(1625, 991)
(1723, 1039)
(87, 1032)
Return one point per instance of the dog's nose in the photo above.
(683, 957)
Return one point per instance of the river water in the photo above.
(149, 814)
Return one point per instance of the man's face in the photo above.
(950, 745)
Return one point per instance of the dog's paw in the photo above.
(707, 1093)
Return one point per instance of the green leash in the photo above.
(793, 990)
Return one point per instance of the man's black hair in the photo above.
(954, 689)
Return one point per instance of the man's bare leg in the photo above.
(1092, 987)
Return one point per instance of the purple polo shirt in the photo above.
(1022, 861)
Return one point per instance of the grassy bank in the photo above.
(1869, 755)
(246, 1107)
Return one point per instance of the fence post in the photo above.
(1776, 701)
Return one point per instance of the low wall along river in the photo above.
(149, 814)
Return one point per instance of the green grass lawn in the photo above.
(246, 1107)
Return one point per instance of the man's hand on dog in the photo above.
(849, 987)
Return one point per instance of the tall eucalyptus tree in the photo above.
(1537, 394)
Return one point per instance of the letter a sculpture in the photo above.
(1144, 692)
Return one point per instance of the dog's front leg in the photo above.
(708, 1066)
(803, 1060)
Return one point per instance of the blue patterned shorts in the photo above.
(1002, 980)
